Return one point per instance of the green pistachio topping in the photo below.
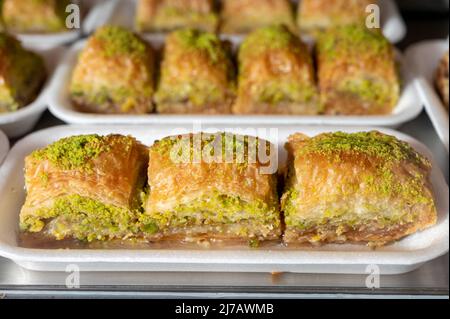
(199, 40)
(118, 40)
(82, 218)
(268, 38)
(232, 148)
(73, 152)
(349, 39)
(215, 208)
(373, 143)
(407, 191)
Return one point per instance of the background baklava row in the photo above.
(22, 74)
(273, 73)
(36, 16)
(338, 187)
(243, 16)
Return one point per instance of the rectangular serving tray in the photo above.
(392, 23)
(425, 57)
(408, 107)
(402, 256)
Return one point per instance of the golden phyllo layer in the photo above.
(276, 75)
(197, 74)
(168, 15)
(87, 187)
(357, 72)
(204, 186)
(34, 16)
(242, 16)
(360, 187)
(22, 74)
(319, 15)
(115, 73)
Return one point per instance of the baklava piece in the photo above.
(243, 16)
(362, 187)
(315, 16)
(357, 72)
(22, 74)
(85, 187)
(36, 16)
(442, 81)
(276, 75)
(168, 15)
(197, 75)
(115, 74)
(219, 187)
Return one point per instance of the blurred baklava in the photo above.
(442, 81)
(22, 74)
(362, 187)
(212, 187)
(276, 75)
(168, 15)
(86, 187)
(197, 74)
(115, 73)
(357, 72)
(319, 15)
(36, 16)
(242, 16)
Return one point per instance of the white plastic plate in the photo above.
(392, 23)
(18, 123)
(425, 58)
(60, 105)
(4, 146)
(97, 13)
(402, 256)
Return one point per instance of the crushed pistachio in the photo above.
(200, 40)
(82, 218)
(216, 208)
(237, 149)
(73, 152)
(373, 143)
(345, 40)
(118, 40)
(268, 38)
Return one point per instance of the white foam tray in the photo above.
(402, 256)
(408, 107)
(392, 23)
(97, 14)
(19, 122)
(4, 146)
(425, 58)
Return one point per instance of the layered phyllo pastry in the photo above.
(442, 82)
(85, 187)
(362, 187)
(36, 16)
(276, 75)
(212, 187)
(22, 74)
(319, 15)
(242, 16)
(197, 74)
(115, 73)
(168, 15)
(357, 72)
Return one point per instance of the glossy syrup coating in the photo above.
(115, 73)
(355, 187)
